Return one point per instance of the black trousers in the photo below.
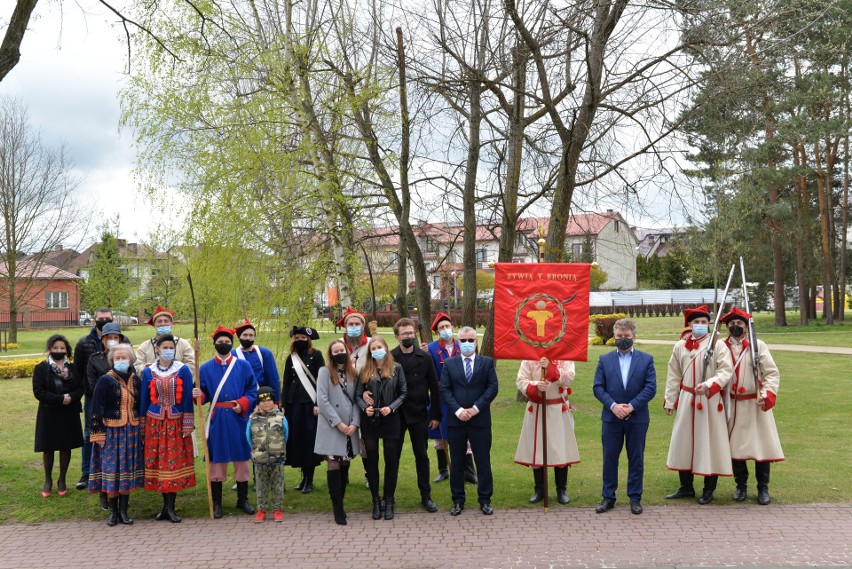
(418, 433)
(371, 465)
(480, 444)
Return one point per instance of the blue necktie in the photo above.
(468, 370)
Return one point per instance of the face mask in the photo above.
(340, 359)
(246, 344)
(624, 344)
(467, 348)
(99, 324)
(699, 330)
(300, 345)
(163, 330)
(446, 334)
(222, 348)
(407, 342)
(121, 367)
(57, 356)
(379, 354)
(112, 343)
(167, 354)
(353, 331)
(736, 331)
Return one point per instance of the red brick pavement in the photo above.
(682, 536)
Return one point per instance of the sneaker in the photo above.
(278, 516)
(260, 517)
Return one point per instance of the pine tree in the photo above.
(107, 283)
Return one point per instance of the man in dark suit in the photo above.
(468, 386)
(625, 381)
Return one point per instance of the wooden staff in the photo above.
(543, 394)
(198, 403)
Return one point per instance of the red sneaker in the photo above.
(260, 517)
(278, 516)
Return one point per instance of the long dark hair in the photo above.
(348, 368)
(59, 338)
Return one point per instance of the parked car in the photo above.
(85, 318)
(123, 319)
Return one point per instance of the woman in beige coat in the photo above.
(551, 393)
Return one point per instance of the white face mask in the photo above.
(112, 343)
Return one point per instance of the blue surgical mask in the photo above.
(121, 367)
(167, 354)
(379, 354)
(163, 330)
(699, 330)
(446, 334)
(467, 348)
(353, 331)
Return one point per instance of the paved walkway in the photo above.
(779, 347)
(686, 535)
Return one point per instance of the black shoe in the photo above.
(457, 509)
(606, 504)
(486, 508)
(216, 493)
(740, 494)
(538, 496)
(170, 509)
(389, 508)
(382, 504)
(681, 493)
(377, 508)
(103, 501)
(562, 496)
(301, 483)
(442, 475)
(163, 515)
(763, 496)
(242, 498)
(83, 483)
(635, 507)
(123, 517)
(429, 505)
(706, 497)
(112, 518)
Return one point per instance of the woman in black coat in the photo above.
(59, 389)
(299, 399)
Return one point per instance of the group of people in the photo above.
(139, 415)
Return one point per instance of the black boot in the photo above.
(163, 516)
(242, 498)
(538, 488)
(308, 486)
(123, 502)
(388, 507)
(170, 508)
(561, 473)
(344, 479)
(103, 500)
(443, 465)
(216, 492)
(709, 488)
(469, 470)
(377, 511)
(112, 507)
(336, 495)
(301, 483)
(686, 490)
(761, 472)
(741, 478)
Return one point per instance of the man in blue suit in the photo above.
(625, 381)
(468, 386)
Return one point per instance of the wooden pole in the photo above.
(198, 403)
(543, 404)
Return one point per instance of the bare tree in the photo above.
(38, 208)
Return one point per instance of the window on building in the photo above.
(577, 251)
(482, 255)
(617, 225)
(56, 300)
(393, 259)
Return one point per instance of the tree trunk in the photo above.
(405, 195)
(468, 316)
(10, 49)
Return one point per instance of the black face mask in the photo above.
(736, 331)
(99, 324)
(301, 346)
(340, 359)
(222, 348)
(57, 356)
(407, 342)
(624, 344)
(246, 344)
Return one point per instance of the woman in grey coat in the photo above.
(339, 419)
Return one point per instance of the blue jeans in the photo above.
(87, 429)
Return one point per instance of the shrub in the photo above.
(595, 341)
(604, 328)
(11, 346)
(11, 369)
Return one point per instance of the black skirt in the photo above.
(381, 428)
(58, 428)
(303, 435)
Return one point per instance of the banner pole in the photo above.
(543, 404)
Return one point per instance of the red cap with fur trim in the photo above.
(736, 314)
(244, 326)
(222, 331)
(438, 318)
(692, 313)
(159, 312)
(349, 312)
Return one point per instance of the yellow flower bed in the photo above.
(11, 346)
(596, 317)
(10, 369)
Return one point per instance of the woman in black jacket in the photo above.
(59, 389)
(385, 381)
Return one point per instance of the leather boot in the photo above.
(443, 465)
(112, 507)
(308, 486)
(389, 508)
(301, 483)
(170, 508)
(561, 473)
(377, 512)
(538, 488)
(709, 488)
(469, 470)
(686, 490)
(335, 493)
(741, 478)
(242, 498)
(123, 502)
(344, 479)
(103, 500)
(216, 492)
(762, 475)
(163, 516)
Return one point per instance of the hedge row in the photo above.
(11, 369)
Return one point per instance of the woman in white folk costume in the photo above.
(562, 449)
(751, 424)
(699, 443)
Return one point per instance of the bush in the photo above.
(11, 346)
(11, 369)
(617, 316)
(596, 341)
(604, 328)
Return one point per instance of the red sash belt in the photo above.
(687, 389)
(554, 401)
(226, 404)
(743, 397)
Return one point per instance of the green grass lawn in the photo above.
(811, 422)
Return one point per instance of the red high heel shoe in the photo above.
(45, 491)
(61, 489)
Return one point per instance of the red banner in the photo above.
(541, 309)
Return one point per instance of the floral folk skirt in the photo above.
(117, 466)
(169, 463)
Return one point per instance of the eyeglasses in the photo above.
(410, 335)
(467, 340)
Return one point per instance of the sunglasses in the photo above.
(467, 340)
